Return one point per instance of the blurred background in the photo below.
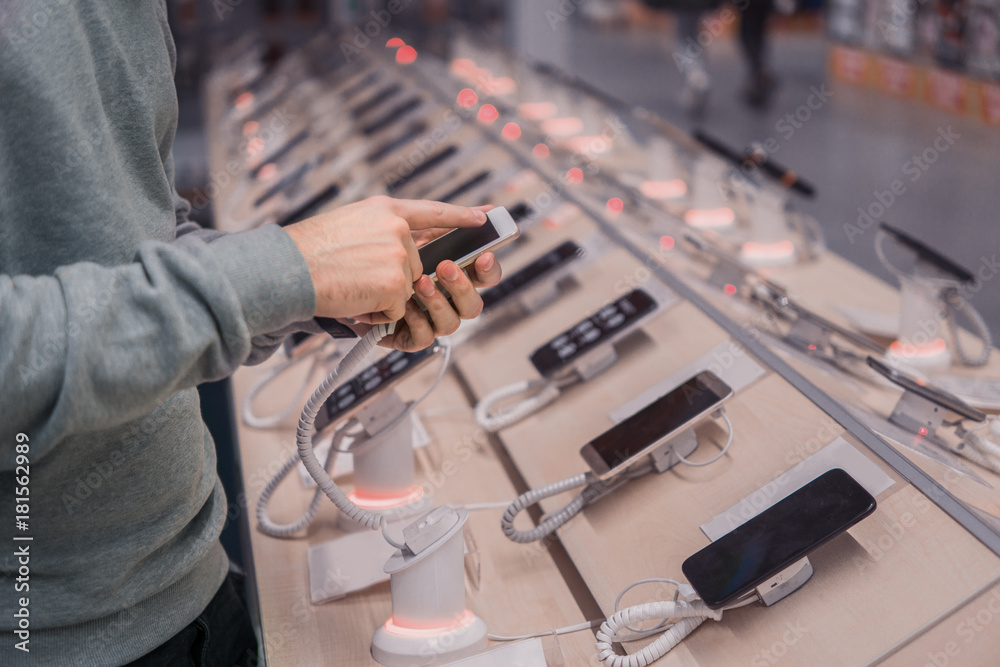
(850, 92)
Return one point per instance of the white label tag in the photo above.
(838, 454)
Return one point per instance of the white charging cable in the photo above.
(274, 529)
(980, 447)
(491, 418)
(678, 619)
(594, 489)
(688, 612)
(318, 356)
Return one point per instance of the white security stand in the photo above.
(709, 208)
(384, 476)
(430, 623)
(925, 315)
(768, 243)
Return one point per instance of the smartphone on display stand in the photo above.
(371, 383)
(781, 535)
(654, 425)
(924, 390)
(928, 254)
(607, 325)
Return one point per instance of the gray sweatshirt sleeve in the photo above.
(91, 347)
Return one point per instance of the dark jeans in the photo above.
(221, 637)
(753, 34)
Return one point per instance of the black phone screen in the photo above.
(373, 379)
(662, 417)
(569, 346)
(777, 537)
(456, 244)
(553, 259)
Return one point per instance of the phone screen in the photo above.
(609, 321)
(553, 259)
(372, 380)
(664, 416)
(456, 244)
(777, 537)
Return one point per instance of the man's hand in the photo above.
(364, 264)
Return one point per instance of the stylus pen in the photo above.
(758, 158)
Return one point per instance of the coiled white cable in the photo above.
(957, 303)
(269, 527)
(542, 393)
(303, 436)
(251, 418)
(273, 529)
(551, 524)
(690, 615)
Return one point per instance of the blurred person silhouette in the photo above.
(688, 53)
(755, 15)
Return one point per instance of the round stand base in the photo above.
(716, 218)
(393, 646)
(407, 506)
(932, 357)
(768, 254)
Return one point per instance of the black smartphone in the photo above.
(928, 254)
(620, 446)
(371, 383)
(778, 298)
(921, 388)
(605, 326)
(438, 158)
(741, 560)
(531, 274)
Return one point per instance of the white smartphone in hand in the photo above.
(464, 245)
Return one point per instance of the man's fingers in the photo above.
(485, 271)
(422, 214)
(444, 318)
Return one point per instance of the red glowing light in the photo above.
(667, 242)
(729, 289)
(900, 349)
(812, 347)
(267, 172)
(768, 252)
(394, 43)
(467, 97)
(379, 502)
(664, 189)
(616, 205)
(719, 217)
(923, 431)
(540, 151)
(574, 175)
(244, 100)
(400, 628)
(487, 113)
(511, 131)
(250, 127)
(406, 55)
(255, 146)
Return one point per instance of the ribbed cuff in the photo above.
(270, 276)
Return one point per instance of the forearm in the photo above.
(92, 347)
